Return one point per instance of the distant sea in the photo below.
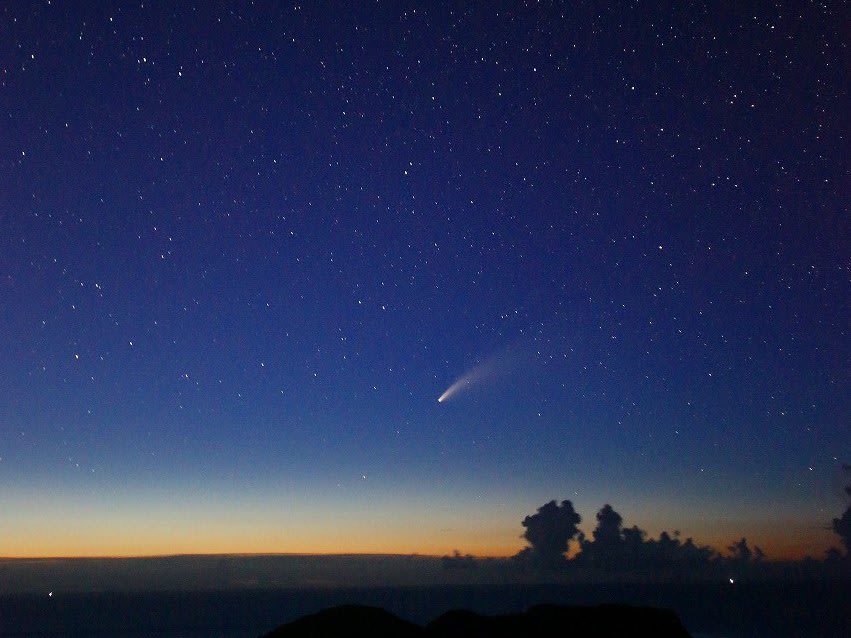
(753, 610)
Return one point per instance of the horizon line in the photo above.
(235, 554)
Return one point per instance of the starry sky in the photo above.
(246, 247)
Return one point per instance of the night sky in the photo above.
(246, 247)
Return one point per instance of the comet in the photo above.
(484, 372)
(456, 387)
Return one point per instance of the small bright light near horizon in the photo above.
(732, 581)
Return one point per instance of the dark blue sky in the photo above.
(245, 249)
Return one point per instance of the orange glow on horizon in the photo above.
(82, 529)
(211, 543)
(778, 549)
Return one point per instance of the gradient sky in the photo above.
(246, 247)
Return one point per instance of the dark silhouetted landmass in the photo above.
(811, 607)
(544, 621)
(352, 621)
(459, 561)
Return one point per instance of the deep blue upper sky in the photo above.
(245, 249)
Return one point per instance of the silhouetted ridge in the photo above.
(554, 621)
(348, 621)
(543, 621)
